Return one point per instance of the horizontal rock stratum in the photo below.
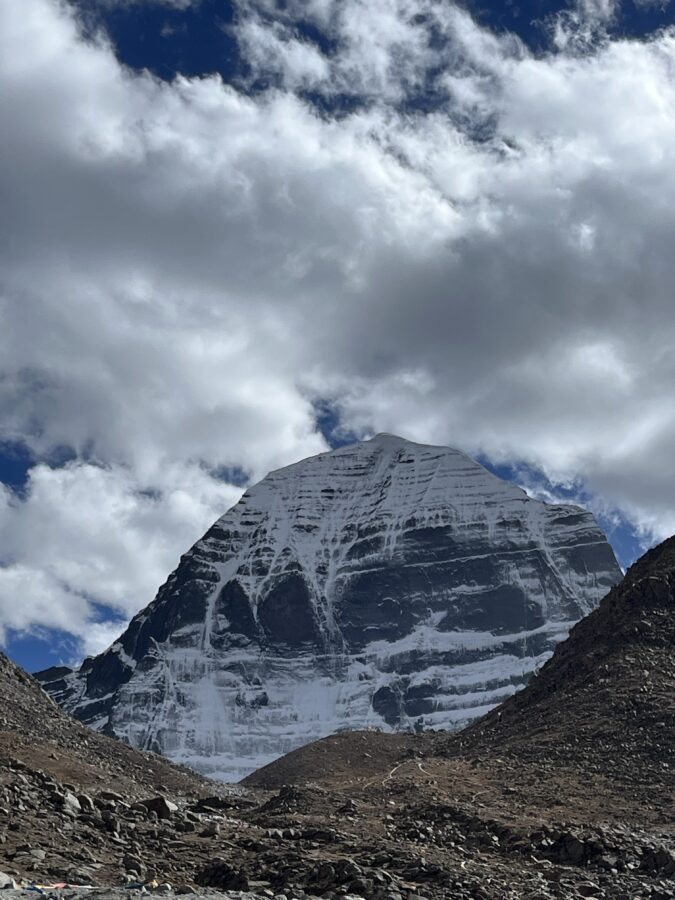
(385, 584)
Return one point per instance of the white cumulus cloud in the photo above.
(474, 249)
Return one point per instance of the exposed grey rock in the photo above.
(133, 864)
(86, 803)
(163, 808)
(220, 874)
(111, 796)
(383, 584)
(71, 805)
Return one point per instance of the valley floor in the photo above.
(395, 818)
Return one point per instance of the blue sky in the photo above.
(200, 39)
(233, 234)
(15, 462)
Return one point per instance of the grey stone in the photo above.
(6, 881)
(162, 807)
(71, 805)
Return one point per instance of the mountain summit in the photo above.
(386, 584)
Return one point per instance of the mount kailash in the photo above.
(385, 584)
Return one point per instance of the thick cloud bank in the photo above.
(425, 224)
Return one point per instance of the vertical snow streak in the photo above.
(437, 589)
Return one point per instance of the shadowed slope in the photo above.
(36, 732)
(601, 712)
(608, 693)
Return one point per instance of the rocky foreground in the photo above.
(420, 829)
(566, 791)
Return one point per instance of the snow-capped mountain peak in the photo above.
(386, 584)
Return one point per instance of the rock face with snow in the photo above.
(384, 584)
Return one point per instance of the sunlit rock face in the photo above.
(386, 584)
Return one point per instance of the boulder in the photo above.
(162, 807)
